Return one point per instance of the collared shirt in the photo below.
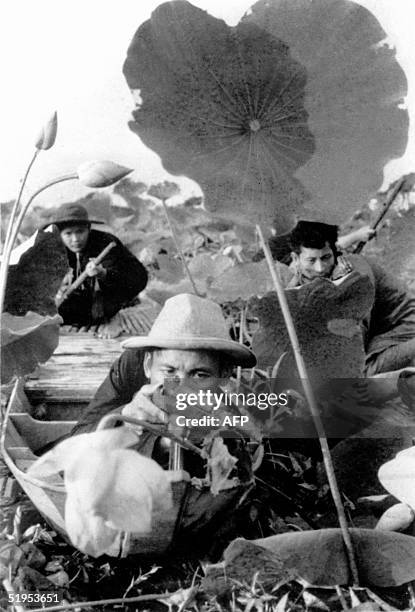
(342, 267)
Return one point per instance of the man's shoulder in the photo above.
(389, 286)
(98, 240)
(104, 238)
(380, 273)
(127, 371)
(132, 356)
(361, 264)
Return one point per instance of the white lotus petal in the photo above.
(66, 452)
(88, 532)
(109, 488)
(46, 465)
(406, 453)
(398, 476)
(158, 481)
(396, 518)
(121, 486)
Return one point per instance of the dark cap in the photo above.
(71, 214)
(313, 234)
(305, 226)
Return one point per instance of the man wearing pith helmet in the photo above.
(188, 342)
(110, 284)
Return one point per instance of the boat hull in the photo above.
(21, 443)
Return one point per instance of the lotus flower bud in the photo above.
(101, 173)
(47, 136)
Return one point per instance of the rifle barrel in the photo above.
(390, 198)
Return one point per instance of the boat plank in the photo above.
(74, 372)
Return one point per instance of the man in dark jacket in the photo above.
(110, 284)
(390, 328)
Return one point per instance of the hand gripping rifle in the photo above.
(82, 277)
(389, 200)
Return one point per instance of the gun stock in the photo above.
(82, 277)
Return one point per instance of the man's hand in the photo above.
(93, 269)
(362, 234)
(66, 283)
(142, 407)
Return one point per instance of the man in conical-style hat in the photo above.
(188, 342)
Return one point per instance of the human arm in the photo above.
(93, 269)
(362, 234)
(143, 407)
(123, 273)
(392, 318)
(124, 379)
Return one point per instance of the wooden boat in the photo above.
(61, 388)
(58, 392)
(46, 406)
(24, 436)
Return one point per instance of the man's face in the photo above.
(75, 237)
(184, 366)
(315, 263)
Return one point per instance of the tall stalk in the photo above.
(178, 248)
(15, 208)
(4, 269)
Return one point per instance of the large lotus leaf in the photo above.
(383, 559)
(169, 270)
(354, 87)
(160, 291)
(40, 264)
(208, 108)
(294, 111)
(205, 266)
(326, 318)
(203, 269)
(25, 342)
(244, 281)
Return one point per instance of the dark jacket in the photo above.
(98, 300)
(392, 320)
(124, 379)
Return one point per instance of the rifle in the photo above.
(390, 198)
(82, 277)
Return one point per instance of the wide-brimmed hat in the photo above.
(71, 213)
(189, 322)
